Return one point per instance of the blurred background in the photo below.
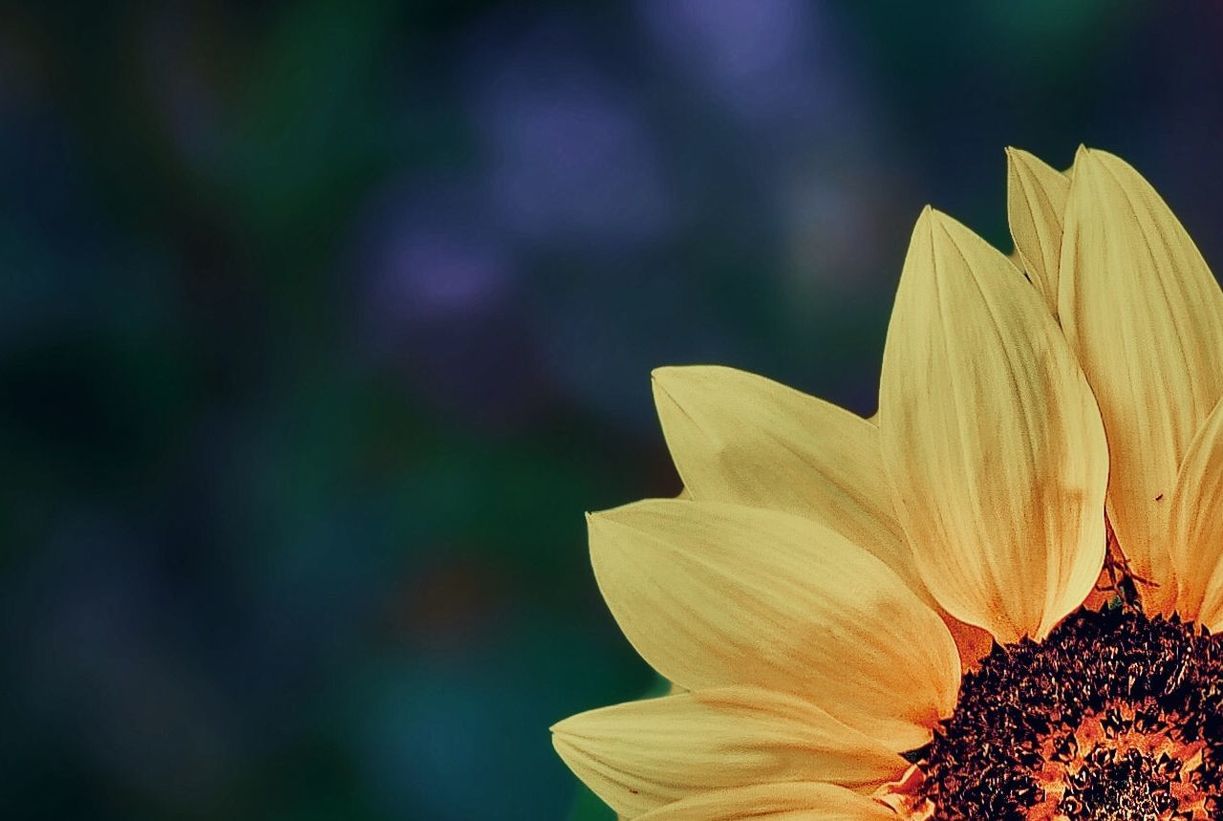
(322, 324)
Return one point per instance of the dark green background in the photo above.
(322, 324)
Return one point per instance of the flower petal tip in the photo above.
(1017, 156)
(618, 529)
(663, 373)
(671, 382)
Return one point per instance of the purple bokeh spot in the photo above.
(571, 158)
(765, 60)
(441, 300)
(434, 272)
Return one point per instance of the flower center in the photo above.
(1115, 716)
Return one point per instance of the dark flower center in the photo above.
(1114, 716)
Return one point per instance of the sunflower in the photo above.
(993, 600)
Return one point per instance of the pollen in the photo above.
(1117, 715)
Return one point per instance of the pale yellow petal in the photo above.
(1145, 316)
(1197, 525)
(713, 594)
(1035, 198)
(738, 437)
(646, 754)
(991, 438)
(794, 801)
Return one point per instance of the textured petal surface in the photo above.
(646, 754)
(973, 643)
(714, 594)
(793, 802)
(1035, 199)
(991, 438)
(1145, 316)
(738, 437)
(1197, 526)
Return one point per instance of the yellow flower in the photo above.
(991, 601)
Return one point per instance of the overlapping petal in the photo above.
(713, 594)
(991, 437)
(644, 755)
(738, 437)
(1197, 525)
(1035, 199)
(1145, 317)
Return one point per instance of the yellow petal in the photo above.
(1035, 199)
(712, 594)
(1197, 526)
(738, 437)
(1145, 316)
(646, 754)
(991, 438)
(795, 801)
